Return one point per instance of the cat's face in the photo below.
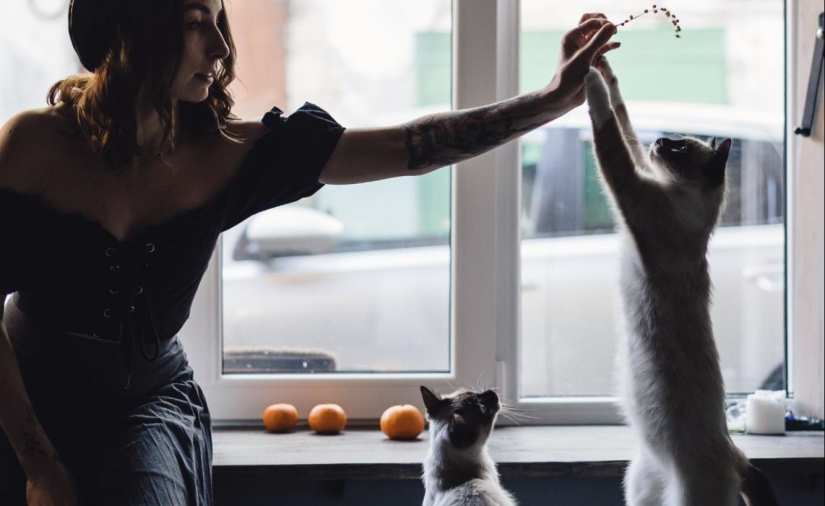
(464, 419)
(694, 171)
(690, 161)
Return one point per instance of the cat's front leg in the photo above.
(619, 107)
(611, 80)
(598, 98)
(614, 159)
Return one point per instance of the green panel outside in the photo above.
(596, 214)
(432, 61)
(434, 86)
(530, 154)
(651, 64)
(434, 203)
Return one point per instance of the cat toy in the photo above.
(655, 10)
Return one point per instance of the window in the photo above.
(497, 272)
(702, 85)
(384, 265)
(34, 42)
(367, 289)
(560, 368)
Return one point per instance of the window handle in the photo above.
(813, 82)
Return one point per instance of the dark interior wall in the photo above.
(792, 490)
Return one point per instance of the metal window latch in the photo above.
(814, 82)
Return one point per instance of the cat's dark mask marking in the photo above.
(466, 413)
(693, 161)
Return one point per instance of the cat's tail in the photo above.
(756, 489)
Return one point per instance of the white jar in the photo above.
(765, 412)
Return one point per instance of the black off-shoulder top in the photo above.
(72, 274)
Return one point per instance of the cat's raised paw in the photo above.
(592, 75)
(607, 72)
(598, 97)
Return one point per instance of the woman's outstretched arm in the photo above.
(428, 143)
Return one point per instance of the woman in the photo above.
(112, 200)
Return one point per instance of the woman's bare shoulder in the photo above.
(37, 125)
(245, 132)
(246, 129)
(26, 139)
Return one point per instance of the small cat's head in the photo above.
(464, 419)
(694, 171)
(690, 161)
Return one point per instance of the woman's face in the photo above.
(203, 49)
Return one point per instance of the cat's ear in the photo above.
(715, 170)
(722, 151)
(712, 142)
(431, 400)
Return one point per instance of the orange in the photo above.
(327, 419)
(280, 417)
(402, 422)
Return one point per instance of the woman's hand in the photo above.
(53, 485)
(581, 48)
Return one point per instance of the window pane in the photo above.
(723, 77)
(370, 291)
(35, 52)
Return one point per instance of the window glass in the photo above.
(369, 291)
(35, 53)
(723, 77)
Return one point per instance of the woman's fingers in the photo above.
(576, 38)
(598, 44)
(600, 59)
(591, 26)
(610, 46)
(583, 47)
(591, 15)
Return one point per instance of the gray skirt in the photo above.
(148, 445)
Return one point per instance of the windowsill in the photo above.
(521, 452)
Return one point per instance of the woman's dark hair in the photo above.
(147, 48)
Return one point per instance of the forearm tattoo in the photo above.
(452, 137)
(33, 447)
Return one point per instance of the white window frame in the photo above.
(538, 411)
(804, 334)
(805, 220)
(239, 399)
(486, 278)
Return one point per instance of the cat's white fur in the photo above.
(446, 467)
(671, 385)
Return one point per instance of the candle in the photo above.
(765, 412)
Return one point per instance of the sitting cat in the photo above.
(667, 205)
(458, 471)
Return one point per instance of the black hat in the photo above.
(92, 29)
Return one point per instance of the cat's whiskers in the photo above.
(515, 415)
(483, 387)
(453, 386)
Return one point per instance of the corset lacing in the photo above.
(133, 266)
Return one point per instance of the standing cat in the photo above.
(458, 471)
(667, 206)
